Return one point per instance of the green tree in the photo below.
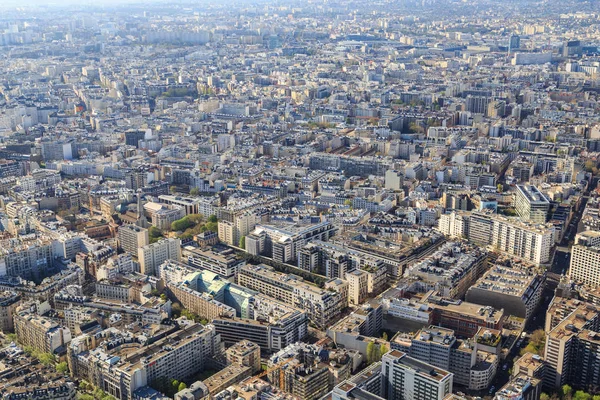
(213, 218)
(581, 395)
(596, 397)
(384, 336)
(544, 396)
(500, 188)
(194, 191)
(11, 337)
(242, 243)
(182, 386)
(84, 385)
(173, 189)
(370, 352)
(46, 358)
(566, 391)
(62, 367)
(85, 396)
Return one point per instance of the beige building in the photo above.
(132, 237)
(358, 286)
(321, 306)
(9, 301)
(245, 353)
(153, 255)
(585, 259)
(40, 333)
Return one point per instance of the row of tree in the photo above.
(375, 351)
(566, 393)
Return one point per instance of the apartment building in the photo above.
(132, 237)
(9, 301)
(357, 286)
(151, 256)
(572, 350)
(405, 377)
(26, 258)
(220, 261)
(527, 241)
(244, 353)
(40, 333)
(585, 259)
(321, 306)
(283, 240)
(123, 369)
(231, 232)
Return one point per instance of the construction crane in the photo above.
(278, 367)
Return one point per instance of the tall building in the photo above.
(153, 255)
(473, 362)
(9, 301)
(572, 350)
(231, 232)
(26, 259)
(407, 378)
(531, 204)
(454, 224)
(585, 259)
(357, 286)
(132, 237)
(529, 241)
(514, 43)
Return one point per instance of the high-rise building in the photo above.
(357, 286)
(572, 350)
(231, 232)
(153, 255)
(132, 237)
(514, 43)
(585, 259)
(407, 378)
(531, 204)
(531, 242)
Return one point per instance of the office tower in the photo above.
(153, 255)
(407, 378)
(132, 237)
(585, 259)
(531, 204)
(514, 43)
